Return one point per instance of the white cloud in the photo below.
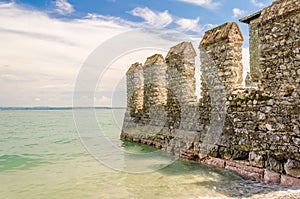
(41, 56)
(110, 21)
(193, 26)
(237, 12)
(160, 20)
(188, 24)
(257, 3)
(209, 4)
(155, 19)
(63, 7)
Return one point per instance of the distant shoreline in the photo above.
(44, 108)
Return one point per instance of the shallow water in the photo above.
(41, 156)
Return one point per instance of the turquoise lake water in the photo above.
(41, 156)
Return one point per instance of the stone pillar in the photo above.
(135, 89)
(181, 86)
(221, 72)
(155, 85)
(181, 72)
(223, 46)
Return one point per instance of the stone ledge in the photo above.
(271, 177)
(188, 154)
(289, 181)
(217, 162)
(248, 172)
(136, 139)
(158, 145)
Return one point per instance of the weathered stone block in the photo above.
(271, 177)
(292, 168)
(289, 181)
(217, 162)
(240, 153)
(136, 139)
(225, 153)
(274, 165)
(256, 159)
(246, 171)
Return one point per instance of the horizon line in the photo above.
(58, 107)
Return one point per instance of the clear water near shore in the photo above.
(41, 156)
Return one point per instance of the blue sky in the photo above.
(211, 12)
(45, 42)
(203, 11)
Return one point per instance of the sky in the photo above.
(47, 44)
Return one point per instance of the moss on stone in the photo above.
(252, 96)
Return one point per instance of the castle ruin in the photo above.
(253, 129)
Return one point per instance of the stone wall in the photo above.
(262, 123)
(172, 117)
(251, 130)
(280, 63)
(221, 65)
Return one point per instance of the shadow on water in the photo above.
(225, 182)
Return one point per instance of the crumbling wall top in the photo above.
(134, 66)
(184, 49)
(157, 58)
(279, 8)
(223, 33)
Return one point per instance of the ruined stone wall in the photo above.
(221, 65)
(279, 63)
(254, 131)
(262, 124)
(172, 117)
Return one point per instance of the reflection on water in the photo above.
(42, 157)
